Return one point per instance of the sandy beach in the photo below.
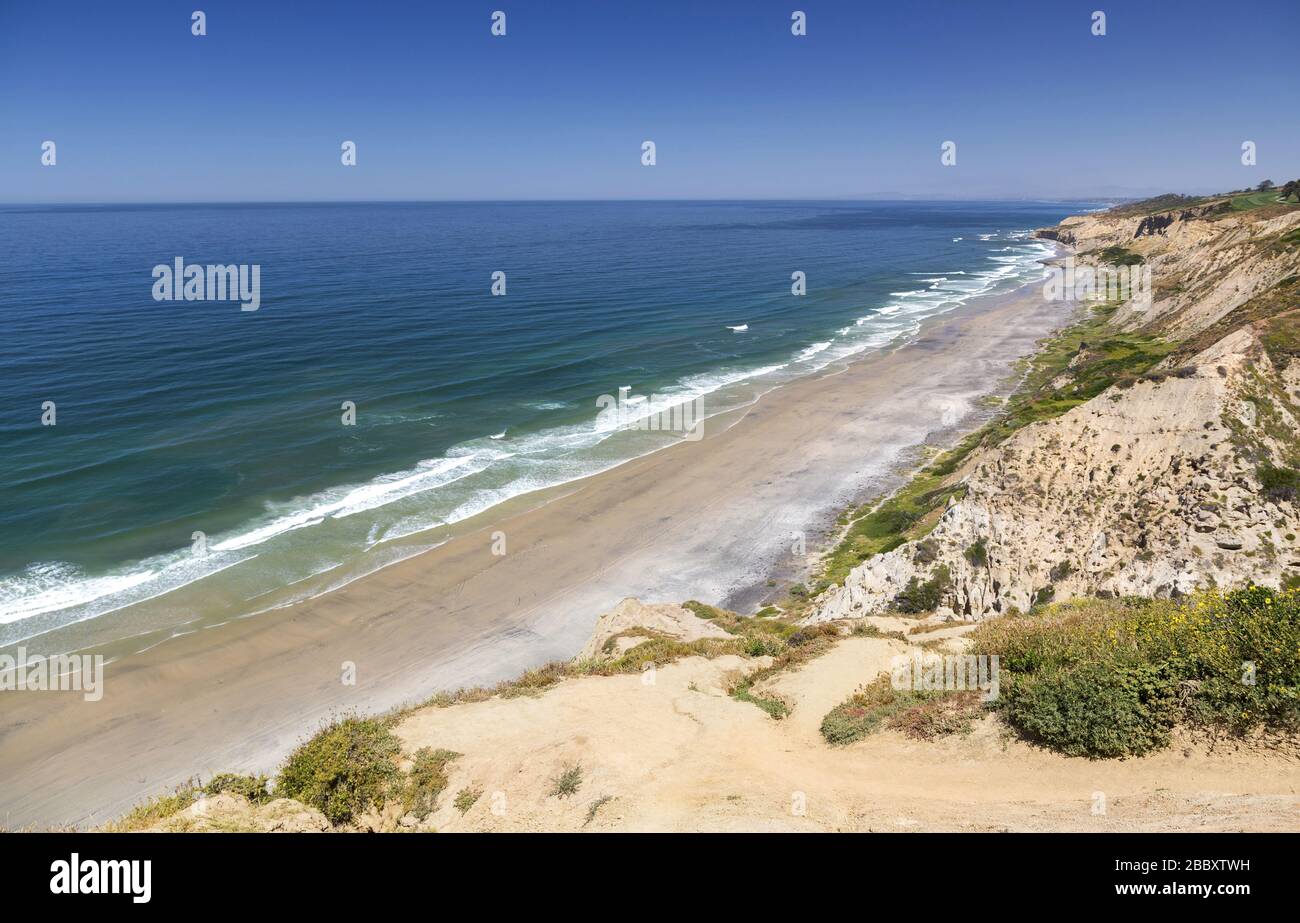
(709, 520)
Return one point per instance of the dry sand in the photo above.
(705, 519)
(678, 754)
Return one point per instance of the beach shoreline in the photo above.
(706, 519)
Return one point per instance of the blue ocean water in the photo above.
(183, 417)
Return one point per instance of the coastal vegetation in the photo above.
(257, 789)
(426, 780)
(343, 770)
(148, 813)
(923, 596)
(922, 715)
(1160, 203)
(1070, 369)
(1260, 196)
(1093, 678)
(466, 798)
(567, 782)
(594, 808)
(1112, 678)
(354, 765)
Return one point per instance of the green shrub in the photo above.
(426, 780)
(919, 597)
(939, 715)
(346, 768)
(595, 806)
(758, 646)
(919, 714)
(1119, 256)
(775, 707)
(567, 782)
(466, 798)
(1043, 595)
(1060, 571)
(864, 712)
(704, 610)
(1109, 677)
(251, 787)
(978, 553)
(1093, 709)
(1278, 484)
(1244, 651)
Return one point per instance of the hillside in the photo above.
(1151, 450)
(760, 733)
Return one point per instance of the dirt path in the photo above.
(677, 754)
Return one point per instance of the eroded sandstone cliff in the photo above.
(1177, 474)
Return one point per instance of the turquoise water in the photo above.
(182, 417)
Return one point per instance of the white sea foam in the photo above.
(812, 350)
(49, 587)
(379, 492)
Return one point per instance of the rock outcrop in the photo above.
(625, 626)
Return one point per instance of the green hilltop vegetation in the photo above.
(1265, 194)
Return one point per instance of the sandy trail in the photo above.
(707, 519)
(680, 755)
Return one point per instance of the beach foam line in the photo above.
(34, 596)
(812, 350)
(380, 492)
(172, 571)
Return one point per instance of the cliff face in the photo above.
(1177, 479)
(1204, 262)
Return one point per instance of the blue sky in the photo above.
(143, 111)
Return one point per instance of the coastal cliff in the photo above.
(1152, 449)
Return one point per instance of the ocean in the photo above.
(207, 462)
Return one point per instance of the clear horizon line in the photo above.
(891, 197)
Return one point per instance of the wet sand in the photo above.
(706, 520)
